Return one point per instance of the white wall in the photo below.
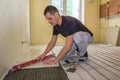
(12, 29)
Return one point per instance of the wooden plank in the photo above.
(111, 35)
(103, 10)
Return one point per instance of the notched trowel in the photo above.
(72, 69)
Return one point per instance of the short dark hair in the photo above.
(51, 9)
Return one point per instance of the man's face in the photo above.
(52, 19)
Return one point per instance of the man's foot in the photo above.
(86, 54)
(83, 58)
(68, 63)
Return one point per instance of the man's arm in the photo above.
(66, 48)
(63, 52)
(51, 44)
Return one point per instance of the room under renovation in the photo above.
(60, 40)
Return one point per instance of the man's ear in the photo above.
(56, 14)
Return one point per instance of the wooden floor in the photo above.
(103, 62)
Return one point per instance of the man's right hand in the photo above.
(41, 57)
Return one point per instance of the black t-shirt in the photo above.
(70, 26)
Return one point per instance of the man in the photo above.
(77, 36)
